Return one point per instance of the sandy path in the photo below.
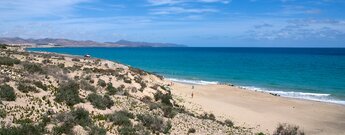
(264, 111)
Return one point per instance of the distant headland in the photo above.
(54, 42)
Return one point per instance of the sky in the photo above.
(212, 23)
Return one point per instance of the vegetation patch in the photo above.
(26, 88)
(8, 61)
(154, 123)
(68, 93)
(100, 102)
(101, 83)
(287, 129)
(7, 93)
(111, 90)
(39, 84)
(33, 68)
(121, 118)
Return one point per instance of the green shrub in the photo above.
(26, 88)
(85, 85)
(111, 90)
(95, 130)
(61, 65)
(165, 98)
(260, 133)
(81, 117)
(153, 123)
(7, 93)
(75, 59)
(127, 130)
(8, 61)
(143, 86)
(33, 68)
(100, 102)
(3, 46)
(3, 113)
(228, 123)
(39, 84)
(287, 129)
(75, 117)
(68, 93)
(46, 61)
(23, 121)
(208, 116)
(121, 118)
(24, 129)
(127, 80)
(191, 130)
(101, 83)
(167, 127)
(168, 111)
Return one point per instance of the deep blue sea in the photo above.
(306, 73)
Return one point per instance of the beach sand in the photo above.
(263, 111)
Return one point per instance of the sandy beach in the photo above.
(263, 111)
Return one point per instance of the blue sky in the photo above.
(256, 23)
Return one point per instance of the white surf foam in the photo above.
(197, 82)
(321, 97)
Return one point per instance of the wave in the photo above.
(197, 82)
(321, 97)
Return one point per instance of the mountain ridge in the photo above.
(61, 42)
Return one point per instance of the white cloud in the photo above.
(174, 2)
(180, 10)
(36, 8)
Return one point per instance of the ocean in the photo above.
(304, 73)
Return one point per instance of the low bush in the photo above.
(127, 80)
(229, 123)
(3, 46)
(39, 84)
(287, 129)
(165, 98)
(137, 71)
(23, 121)
(100, 102)
(127, 130)
(111, 90)
(7, 93)
(68, 93)
(78, 116)
(76, 59)
(121, 118)
(101, 83)
(154, 123)
(33, 68)
(3, 113)
(85, 85)
(8, 61)
(168, 111)
(191, 130)
(24, 129)
(26, 88)
(95, 130)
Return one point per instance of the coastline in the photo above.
(258, 110)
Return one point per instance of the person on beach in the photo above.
(192, 91)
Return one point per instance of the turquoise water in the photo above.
(314, 74)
